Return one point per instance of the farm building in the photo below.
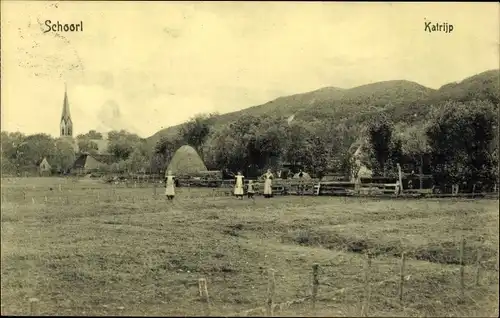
(86, 163)
(186, 161)
(305, 176)
(44, 168)
(362, 171)
(288, 169)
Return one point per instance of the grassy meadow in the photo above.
(99, 249)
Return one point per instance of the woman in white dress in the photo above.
(170, 186)
(268, 182)
(238, 188)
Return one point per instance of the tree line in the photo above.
(458, 143)
(22, 153)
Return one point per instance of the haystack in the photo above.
(186, 161)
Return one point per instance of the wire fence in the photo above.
(393, 291)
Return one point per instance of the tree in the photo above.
(296, 146)
(87, 145)
(33, 149)
(122, 144)
(137, 161)
(379, 137)
(164, 151)
(415, 144)
(224, 150)
(460, 137)
(92, 134)
(196, 131)
(157, 163)
(318, 155)
(64, 156)
(10, 143)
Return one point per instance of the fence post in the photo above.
(154, 190)
(366, 303)
(33, 306)
(203, 290)
(315, 284)
(270, 293)
(462, 270)
(478, 265)
(402, 277)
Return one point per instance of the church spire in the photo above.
(66, 125)
(65, 112)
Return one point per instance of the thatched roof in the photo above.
(89, 161)
(186, 161)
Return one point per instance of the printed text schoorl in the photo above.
(67, 27)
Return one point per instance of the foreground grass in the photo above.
(97, 250)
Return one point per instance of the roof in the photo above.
(82, 159)
(305, 175)
(44, 160)
(104, 158)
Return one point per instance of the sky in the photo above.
(144, 66)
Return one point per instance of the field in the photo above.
(97, 249)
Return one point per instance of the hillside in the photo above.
(400, 99)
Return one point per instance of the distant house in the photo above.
(87, 163)
(361, 170)
(44, 168)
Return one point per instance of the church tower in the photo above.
(66, 126)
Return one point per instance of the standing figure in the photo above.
(268, 182)
(301, 182)
(238, 188)
(170, 186)
(397, 189)
(250, 190)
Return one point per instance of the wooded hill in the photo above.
(402, 101)
(391, 122)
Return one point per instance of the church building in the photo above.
(66, 130)
(66, 124)
(86, 161)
